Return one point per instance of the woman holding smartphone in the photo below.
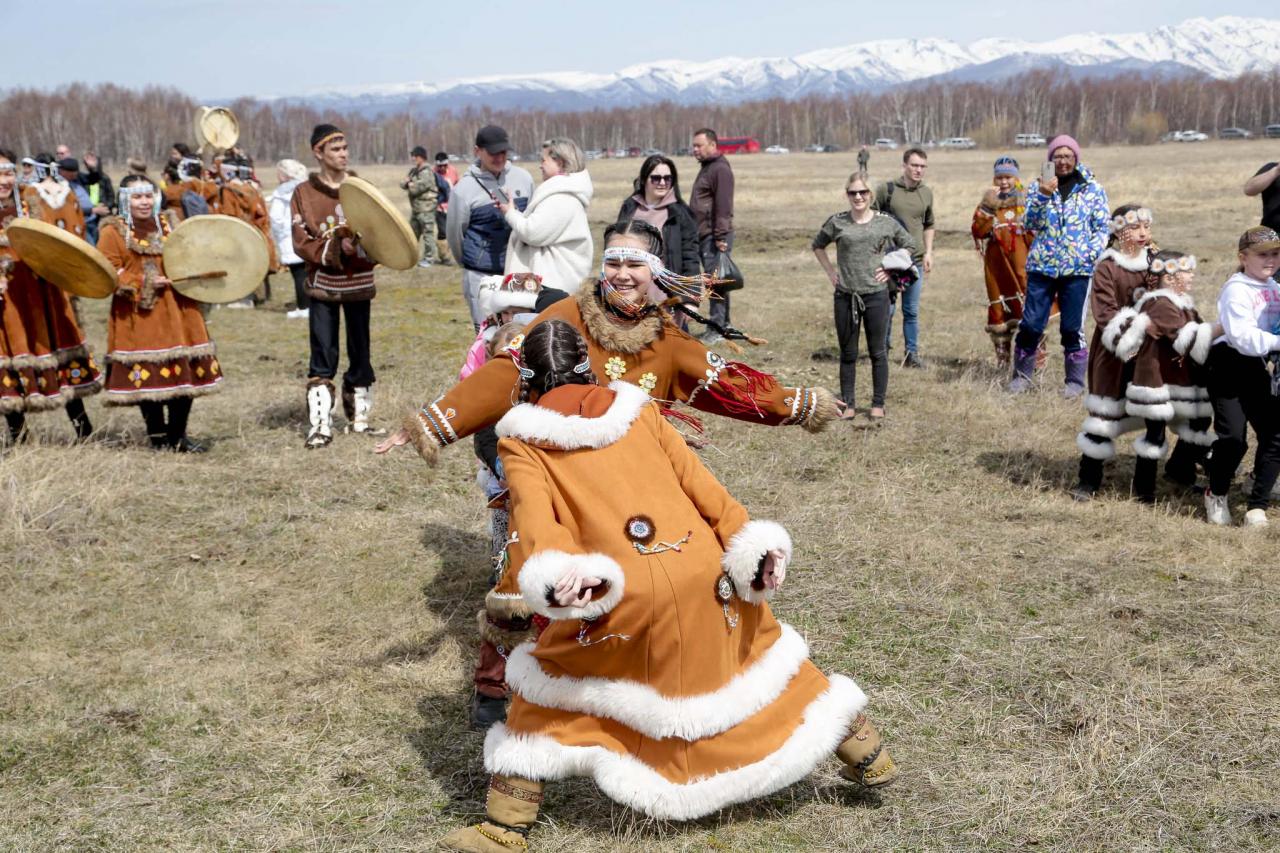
(861, 287)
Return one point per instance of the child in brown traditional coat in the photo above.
(1118, 275)
(1000, 235)
(159, 355)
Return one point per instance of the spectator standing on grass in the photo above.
(102, 193)
(477, 231)
(712, 204)
(1000, 236)
(289, 173)
(446, 178)
(1266, 183)
(911, 201)
(863, 237)
(864, 159)
(69, 169)
(1072, 225)
(424, 197)
(657, 200)
(551, 237)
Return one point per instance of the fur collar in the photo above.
(1182, 300)
(540, 426)
(1133, 263)
(56, 196)
(610, 336)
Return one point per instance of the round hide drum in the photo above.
(383, 231)
(62, 258)
(216, 127)
(215, 258)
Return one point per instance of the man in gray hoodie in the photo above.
(476, 229)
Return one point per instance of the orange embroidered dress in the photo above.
(158, 346)
(675, 688)
(44, 358)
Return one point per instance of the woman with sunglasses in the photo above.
(657, 200)
(861, 284)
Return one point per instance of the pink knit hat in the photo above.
(1063, 141)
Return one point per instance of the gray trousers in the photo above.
(718, 309)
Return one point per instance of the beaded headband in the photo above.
(1169, 266)
(324, 139)
(690, 286)
(1131, 218)
(8, 167)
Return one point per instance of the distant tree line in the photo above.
(119, 122)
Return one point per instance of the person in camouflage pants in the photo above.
(423, 196)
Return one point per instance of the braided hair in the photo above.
(636, 228)
(552, 349)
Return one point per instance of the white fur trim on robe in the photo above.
(1202, 438)
(1106, 407)
(640, 707)
(629, 781)
(1146, 450)
(1194, 339)
(746, 548)
(528, 422)
(539, 574)
(1149, 403)
(1103, 450)
(1110, 427)
(1111, 333)
(1131, 341)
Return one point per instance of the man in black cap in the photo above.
(475, 227)
(424, 196)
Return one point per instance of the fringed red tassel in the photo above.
(684, 418)
(540, 624)
(741, 398)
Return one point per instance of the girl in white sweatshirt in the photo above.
(1240, 386)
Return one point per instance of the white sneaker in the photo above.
(1255, 518)
(247, 302)
(1215, 507)
(298, 314)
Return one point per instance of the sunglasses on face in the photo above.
(659, 179)
(857, 193)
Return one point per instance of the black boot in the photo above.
(79, 419)
(1144, 480)
(17, 426)
(153, 417)
(1090, 479)
(179, 413)
(486, 710)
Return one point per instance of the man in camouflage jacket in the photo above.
(423, 197)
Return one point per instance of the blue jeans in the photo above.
(1073, 295)
(910, 299)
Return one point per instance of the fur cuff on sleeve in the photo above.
(746, 549)
(423, 441)
(1203, 342)
(1131, 341)
(1111, 334)
(823, 412)
(540, 572)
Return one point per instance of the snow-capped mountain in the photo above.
(1221, 47)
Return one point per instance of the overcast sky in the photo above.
(237, 47)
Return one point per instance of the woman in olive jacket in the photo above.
(657, 200)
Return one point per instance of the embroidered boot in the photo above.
(1074, 365)
(866, 760)
(320, 413)
(1024, 365)
(1003, 344)
(512, 810)
(363, 407)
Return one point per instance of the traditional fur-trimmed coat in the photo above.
(44, 358)
(662, 359)
(158, 346)
(676, 689)
(1168, 344)
(1117, 280)
(55, 204)
(1004, 241)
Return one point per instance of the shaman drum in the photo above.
(215, 258)
(382, 230)
(62, 258)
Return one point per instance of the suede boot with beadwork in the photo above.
(866, 759)
(320, 414)
(512, 810)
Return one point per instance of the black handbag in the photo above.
(728, 276)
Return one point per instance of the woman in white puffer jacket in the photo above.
(551, 237)
(289, 173)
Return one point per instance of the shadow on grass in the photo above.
(947, 369)
(1031, 469)
(285, 414)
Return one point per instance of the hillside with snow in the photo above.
(1221, 47)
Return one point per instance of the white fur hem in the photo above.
(1107, 407)
(1111, 333)
(1147, 450)
(1131, 341)
(528, 422)
(1194, 436)
(1189, 409)
(742, 558)
(1147, 393)
(1109, 427)
(627, 780)
(1103, 450)
(640, 707)
(1150, 411)
(540, 572)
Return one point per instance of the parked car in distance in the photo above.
(593, 154)
(1184, 136)
(1272, 131)
(1234, 133)
(652, 152)
(961, 142)
(684, 151)
(831, 149)
(886, 144)
(777, 149)
(1030, 140)
(814, 149)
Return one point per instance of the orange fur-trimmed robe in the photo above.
(158, 346)
(44, 358)
(675, 688)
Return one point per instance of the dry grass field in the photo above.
(265, 648)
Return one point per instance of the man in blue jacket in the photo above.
(1069, 215)
(476, 229)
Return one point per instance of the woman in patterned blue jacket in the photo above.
(1069, 215)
